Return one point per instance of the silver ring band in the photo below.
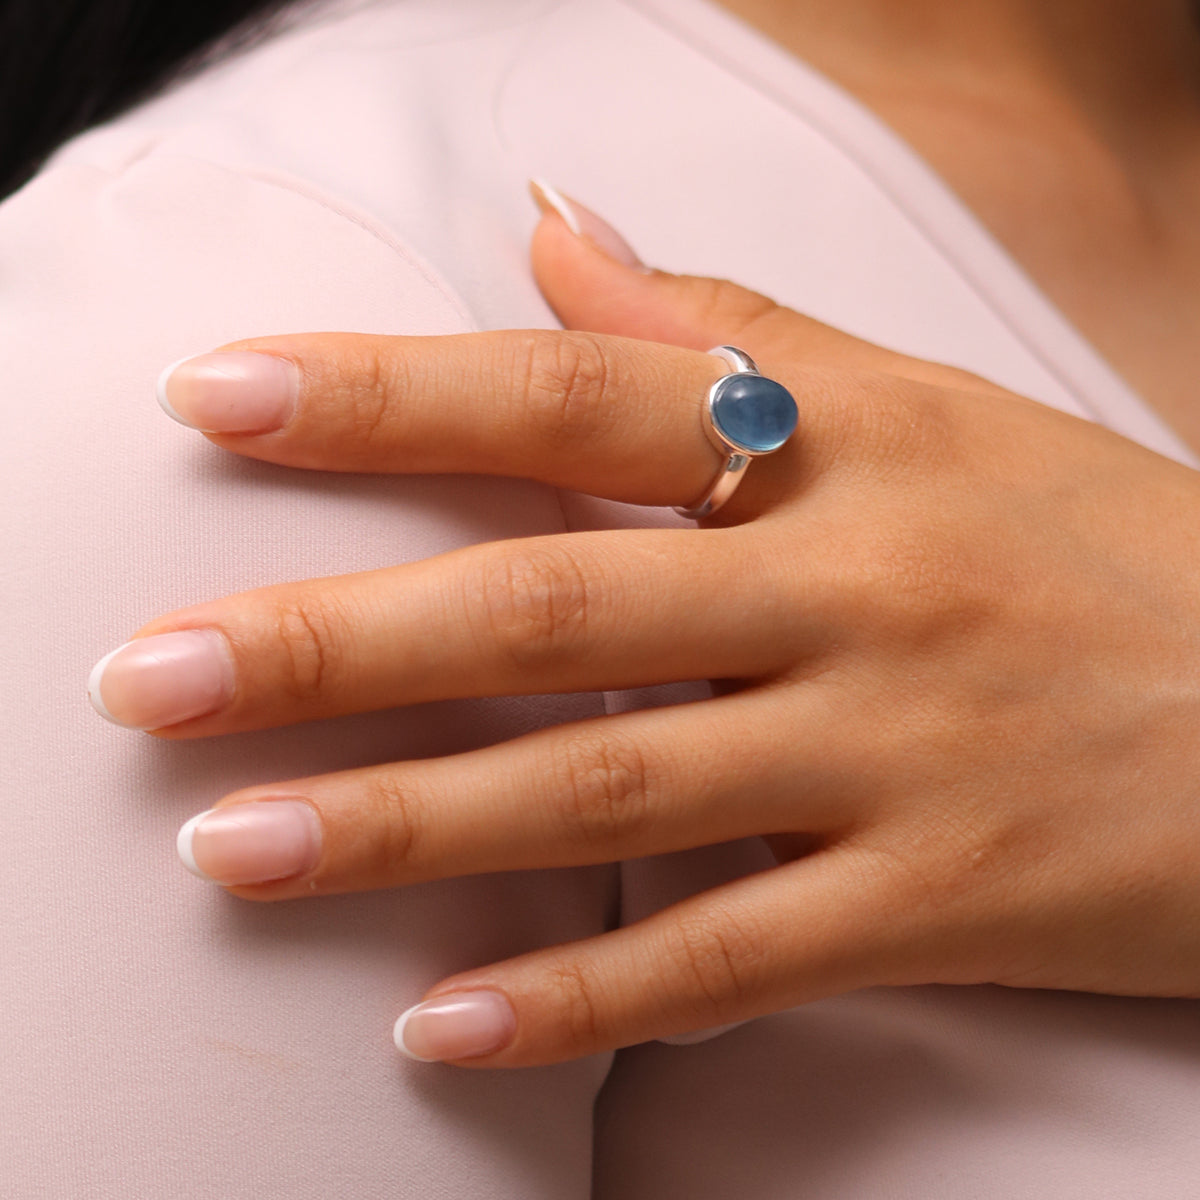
(737, 440)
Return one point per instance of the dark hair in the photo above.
(66, 65)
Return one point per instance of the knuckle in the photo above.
(880, 427)
(573, 999)
(391, 810)
(719, 957)
(899, 425)
(605, 785)
(721, 304)
(533, 605)
(912, 569)
(924, 587)
(306, 632)
(568, 380)
(956, 858)
(366, 404)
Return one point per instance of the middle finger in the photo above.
(568, 612)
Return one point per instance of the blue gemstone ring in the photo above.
(746, 416)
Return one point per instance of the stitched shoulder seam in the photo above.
(333, 204)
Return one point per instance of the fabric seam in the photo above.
(296, 186)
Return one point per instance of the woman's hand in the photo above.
(957, 636)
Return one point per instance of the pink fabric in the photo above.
(365, 170)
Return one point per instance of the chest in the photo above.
(1115, 249)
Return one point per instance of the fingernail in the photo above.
(584, 223)
(253, 842)
(154, 682)
(232, 392)
(457, 1025)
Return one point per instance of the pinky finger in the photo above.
(813, 928)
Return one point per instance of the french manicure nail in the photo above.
(456, 1025)
(236, 391)
(154, 682)
(253, 842)
(584, 223)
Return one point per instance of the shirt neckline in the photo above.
(930, 204)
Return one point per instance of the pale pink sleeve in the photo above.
(161, 1039)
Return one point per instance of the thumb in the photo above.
(594, 281)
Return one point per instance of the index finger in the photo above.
(616, 417)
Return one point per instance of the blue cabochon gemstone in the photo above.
(754, 413)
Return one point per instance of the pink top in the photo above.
(366, 170)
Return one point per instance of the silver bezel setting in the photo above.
(737, 457)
